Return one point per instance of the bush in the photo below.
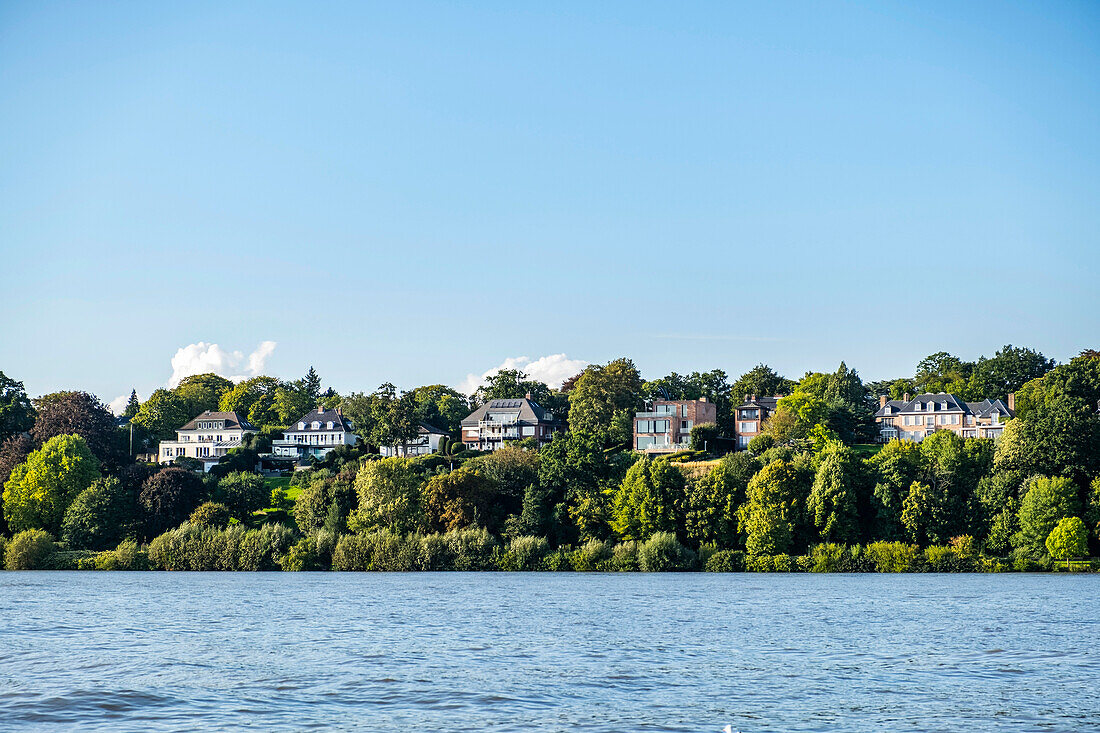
(704, 434)
(30, 549)
(592, 555)
(760, 443)
(190, 547)
(895, 557)
(726, 561)
(243, 493)
(210, 514)
(663, 553)
(624, 557)
(559, 560)
(472, 549)
(381, 550)
(770, 564)
(303, 555)
(127, 556)
(101, 516)
(525, 553)
(828, 557)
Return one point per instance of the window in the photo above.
(743, 441)
(746, 427)
(660, 426)
(685, 425)
(644, 426)
(684, 413)
(301, 426)
(644, 441)
(528, 430)
(316, 425)
(750, 414)
(329, 424)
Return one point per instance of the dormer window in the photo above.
(316, 425)
(301, 426)
(917, 407)
(328, 425)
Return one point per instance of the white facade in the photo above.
(426, 443)
(315, 435)
(208, 437)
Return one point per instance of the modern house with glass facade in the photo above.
(666, 426)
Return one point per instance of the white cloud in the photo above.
(202, 357)
(552, 369)
(118, 404)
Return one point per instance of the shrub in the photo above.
(592, 555)
(30, 549)
(781, 563)
(726, 561)
(472, 549)
(760, 443)
(624, 557)
(663, 553)
(127, 556)
(525, 553)
(243, 493)
(101, 516)
(303, 555)
(190, 547)
(559, 560)
(434, 553)
(210, 514)
(828, 557)
(895, 557)
(704, 434)
(1068, 540)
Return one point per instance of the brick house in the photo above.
(750, 417)
(667, 427)
(917, 418)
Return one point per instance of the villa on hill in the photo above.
(917, 418)
(207, 438)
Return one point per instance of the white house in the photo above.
(315, 434)
(208, 437)
(427, 442)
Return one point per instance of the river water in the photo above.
(548, 652)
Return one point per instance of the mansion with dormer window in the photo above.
(917, 418)
(315, 434)
(208, 437)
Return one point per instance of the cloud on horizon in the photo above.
(552, 369)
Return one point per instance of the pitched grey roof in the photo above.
(986, 407)
(322, 416)
(233, 420)
(943, 402)
(527, 412)
(767, 403)
(426, 429)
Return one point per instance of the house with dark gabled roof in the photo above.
(208, 437)
(917, 418)
(499, 421)
(315, 434)
(750, 417)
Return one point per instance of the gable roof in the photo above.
(339, 422)
(426, 429)
(527, 412)
(233, 421)
(767, 403)
(986, 407)
(943, 402)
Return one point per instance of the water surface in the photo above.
(548, 652)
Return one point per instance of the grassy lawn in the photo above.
(280, 482)
(866, 450)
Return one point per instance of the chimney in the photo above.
(703, 399)
(905, 397)
(746, 398)
(881, 401)
(1011, 402)
(753, 398)
(528, 395)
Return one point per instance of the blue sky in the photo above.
(416, 192)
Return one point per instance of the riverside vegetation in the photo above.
(811, 495)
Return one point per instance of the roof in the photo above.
(233, 421)
(527, 412)
(768, 403)
(429, 429)
(943, 402)
(323, 417)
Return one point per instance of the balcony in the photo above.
(667, 415)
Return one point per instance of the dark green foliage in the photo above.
(760, 444)
(190, 547)
(80, 413)
(1046, 501)
(16, 412)
(101, 516)
(210, 514)
(704, 436)
(726, 561)
(168, 497)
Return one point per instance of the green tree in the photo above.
(1068, 540)
(834, 499)
(649, 500)
(924, 513)
(1046, 502)
(795, 415)
(41, 489)
(201, 392)
(604, 399)
(762, 381)
(163, 414)
(943, 372)
(242, 493)
(210, 514)
(774, 508)
(393, 417)
(133, 405)
(254, 399)
(101, 516)
(460, 499)
(80, 413)
(711, 500)
(16, 412)
(389, 496)
(1007, 371)
(168, 497)
(440, 406)
(29, 550)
